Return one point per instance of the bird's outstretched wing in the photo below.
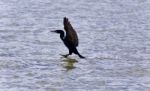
(71, 34)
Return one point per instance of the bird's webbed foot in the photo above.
(65, 55)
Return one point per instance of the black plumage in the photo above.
(71, 38)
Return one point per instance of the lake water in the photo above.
(114, 35)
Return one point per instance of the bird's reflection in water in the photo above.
(68, 63)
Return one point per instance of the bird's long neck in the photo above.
(62, 35)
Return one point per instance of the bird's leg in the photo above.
(70, 52)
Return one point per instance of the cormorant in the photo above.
(71, 38)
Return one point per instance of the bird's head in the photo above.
(58, 31)
(61, 32)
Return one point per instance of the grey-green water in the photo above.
(114, 36)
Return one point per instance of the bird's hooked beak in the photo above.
(54, 31)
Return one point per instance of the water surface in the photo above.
(114, 36)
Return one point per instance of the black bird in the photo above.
(71, 38)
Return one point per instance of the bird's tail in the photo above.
(76, 52)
